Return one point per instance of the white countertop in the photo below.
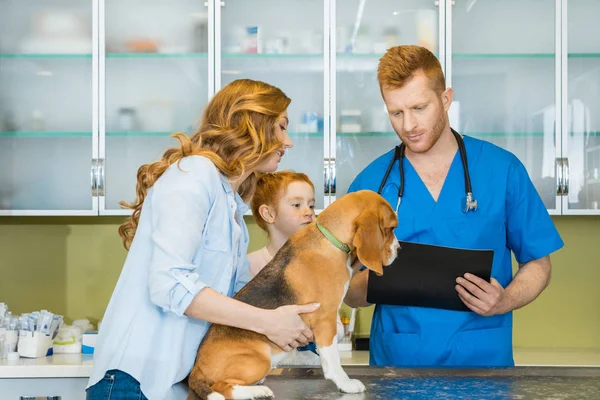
(80, 365)
(56, 366)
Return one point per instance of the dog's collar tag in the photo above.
(331, 237)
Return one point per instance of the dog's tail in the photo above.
(200, 390)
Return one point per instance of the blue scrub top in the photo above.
(510, 217)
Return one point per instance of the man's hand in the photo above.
(356, 296)
(356, 265)
(488, 299)
(480, 296)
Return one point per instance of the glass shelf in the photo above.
(292, 134)
(284, 56)
(584, 55)
(140, 134)
(478, 56)
(501, 55)
(167, 134)
(376, 56)
(156, 55)
(44, 134)
(473, 134)
(44, 56)
(271, 55)
(359, 55)
(363, 134)
(121, 134)
(522, 55)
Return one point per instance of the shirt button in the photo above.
(239, 253)
(206, 242)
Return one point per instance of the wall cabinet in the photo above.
(91, 90)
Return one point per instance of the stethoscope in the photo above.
(471, 204)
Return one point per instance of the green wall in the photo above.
(69, 265)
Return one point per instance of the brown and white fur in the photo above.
(307, 269)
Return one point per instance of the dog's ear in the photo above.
(368, 240)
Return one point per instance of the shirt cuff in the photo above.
(180, 292)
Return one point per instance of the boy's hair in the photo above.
(270, 187)
(401, 63)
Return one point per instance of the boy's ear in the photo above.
(266, 213)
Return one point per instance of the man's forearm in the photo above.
(531, 279)
(357, 292)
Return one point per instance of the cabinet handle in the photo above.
(333, 176)
(93, 177)
(559, 175)
(40, 397)
(100, 174)
(326, 176)
(565, 165)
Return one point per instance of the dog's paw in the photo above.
(352, 386)
(251, 392)
(215, 396)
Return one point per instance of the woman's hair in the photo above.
(269, 190)
(237, 133)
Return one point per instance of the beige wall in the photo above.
(70, 265)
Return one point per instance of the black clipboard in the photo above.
(425, 276)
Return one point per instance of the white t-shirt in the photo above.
(258, 259)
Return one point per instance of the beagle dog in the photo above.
(314, 265)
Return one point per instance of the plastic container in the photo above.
(33, 344)
(67, 341)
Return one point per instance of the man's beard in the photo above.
(436, 131)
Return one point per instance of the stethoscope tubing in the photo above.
(399, 152)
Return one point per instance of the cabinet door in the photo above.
(363, 32)
(44, 388)
(154, 67)
(280, 42)
(504, 75)
(581, 139)
(47, 79)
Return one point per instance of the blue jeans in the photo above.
(116, 385)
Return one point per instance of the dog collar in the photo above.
(331, 237)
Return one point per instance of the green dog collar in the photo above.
(331, 237)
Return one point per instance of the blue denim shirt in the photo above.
(187, 239)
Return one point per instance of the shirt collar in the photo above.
(242, 207)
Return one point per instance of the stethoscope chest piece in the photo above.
(471, 203)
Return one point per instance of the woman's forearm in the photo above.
(211, 306)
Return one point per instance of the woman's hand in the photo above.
(284, 327)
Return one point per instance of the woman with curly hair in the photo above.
(187, 243)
